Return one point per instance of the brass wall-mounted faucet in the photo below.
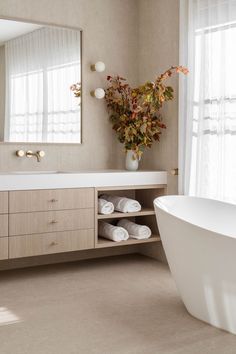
(38, 154)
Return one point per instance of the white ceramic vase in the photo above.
(131, 161)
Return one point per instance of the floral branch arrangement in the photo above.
(135, 112)
(76, 89)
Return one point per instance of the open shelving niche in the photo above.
(145, 195)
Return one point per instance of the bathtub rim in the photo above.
(176, 196)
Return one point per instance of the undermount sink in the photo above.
(33, 172)
(62, 172)
(59, 179)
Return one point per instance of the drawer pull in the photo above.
(54, 200)
(54, 222)
(54, 243)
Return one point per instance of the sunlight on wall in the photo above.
(7, 317)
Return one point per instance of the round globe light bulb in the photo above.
(100, 66)
(99, 93)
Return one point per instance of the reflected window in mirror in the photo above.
(40, 67)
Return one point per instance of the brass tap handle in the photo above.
(29, 153)
(54, 222)
(40, 153)
(175, 171)
(20, 153)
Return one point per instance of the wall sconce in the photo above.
(98, 93)
(99, 67)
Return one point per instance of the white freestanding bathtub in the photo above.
(199, 238)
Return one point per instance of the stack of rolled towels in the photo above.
(123, 230)
(108, 203)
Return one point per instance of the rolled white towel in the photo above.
(123, 204)
(111, 232)
(105, 207)
(135, 231)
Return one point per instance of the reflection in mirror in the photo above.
(38, 65)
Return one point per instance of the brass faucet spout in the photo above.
(37, 154)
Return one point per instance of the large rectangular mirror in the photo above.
(38, 66)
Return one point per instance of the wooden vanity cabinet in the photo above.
(50, 221)
(3, 225)
(42, 222)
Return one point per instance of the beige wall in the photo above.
(109, 34)
(136, 38)
(158, 50)
(2, 90)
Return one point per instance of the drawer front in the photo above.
(53, 199)
(35, 245)
(50, 221)
(3, 202)
(3, 225)
(4, 248)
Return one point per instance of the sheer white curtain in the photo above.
(40, 68)
(207, 155)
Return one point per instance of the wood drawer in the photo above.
(4, 248)
(3, 202)
(34, 245)
(52, 199)
(3, 225)
(50, 221)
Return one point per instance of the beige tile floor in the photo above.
(118, 305)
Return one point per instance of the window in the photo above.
(210, 94)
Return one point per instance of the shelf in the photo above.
(102, 242)
(132, 187)
(117, 215)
